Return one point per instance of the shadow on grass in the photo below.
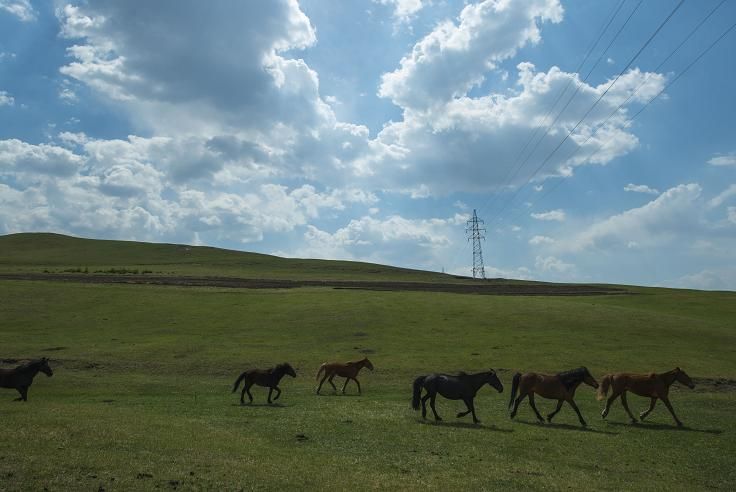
(569, 427)
(338, 394)
(665, 427)
(266, 405)
(464, 425)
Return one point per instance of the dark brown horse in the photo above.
(347, 370)
(651, 385)
(560, 387)
(461, 387)
(21, 377)
(263, 377)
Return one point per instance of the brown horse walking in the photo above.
(652, 385)
(347, 370)
(21, 377)
(263, 377)
(560, 387)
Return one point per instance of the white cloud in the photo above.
(722, 279)
(552, 264)
(404, 10)
(6, 99)
(22, 9)
(556, 215)
(47, 160)
(723, 160)
(453, 58)
(641, 189)
(537, 240)
(732, 214)
(672, 214)
(722, 197)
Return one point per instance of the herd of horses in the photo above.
(461, 386)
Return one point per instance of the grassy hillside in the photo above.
(141, 399)
(36, 252)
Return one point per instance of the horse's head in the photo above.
(492, 379)
(682, 377)
(367, 363)
(288, 369)
(45, 368)
(589, 379)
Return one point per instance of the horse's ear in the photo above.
(678, 369)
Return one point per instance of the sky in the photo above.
(595, 139)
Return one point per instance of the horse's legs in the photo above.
(646, 412)
(321, 383)
(345, 385)
(424, 405)
(468, 404)
(577, 410)
(626, 406)
(358, 383)
(609, 402)
(519, 399)
(432, 398)
(247, 390)
(534, 407)
(278, 393)
(667, 403)
(471, 405)
(270, 391)
(331, 383)
(242, 394)
(559, 405)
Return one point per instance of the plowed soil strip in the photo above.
(489, 287)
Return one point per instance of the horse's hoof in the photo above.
(679, 424)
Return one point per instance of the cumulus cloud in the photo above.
(673, 214)
(722, 279)
(723, 197)
(454, 57)
(641, 189)
(552, 264)
(6, 99)
(723, 160)
(556, 215)
(404, 10)
(22, 9)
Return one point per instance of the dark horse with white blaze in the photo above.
(560, 387)
(263, 377)
(652, 385)
(21, 377)
(463, 386)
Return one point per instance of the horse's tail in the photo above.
(237, 382)
(321, 370)
(514, 388)
(603, 388)
(418, 382)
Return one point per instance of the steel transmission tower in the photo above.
(475, 233)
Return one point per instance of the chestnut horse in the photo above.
(560, 387)
(652, 385)
(461, 387)
(21, 377)
(347, 370)
(263, 377)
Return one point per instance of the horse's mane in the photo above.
(281, 367)
(569, 378)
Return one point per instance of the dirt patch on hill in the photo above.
(488, 287)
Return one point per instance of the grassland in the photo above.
(141, 400)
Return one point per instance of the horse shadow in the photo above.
(665, 427)
(464, 425)
(568, 427)
(261, 405)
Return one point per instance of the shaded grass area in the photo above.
(141, 396)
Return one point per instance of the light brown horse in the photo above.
(560, 387)
(347, 370)
(652, 385)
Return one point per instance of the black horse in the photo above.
(21, 377)
(263, 377)
(461, 387)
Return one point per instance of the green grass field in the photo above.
(140, 398)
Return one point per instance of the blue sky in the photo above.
(370, 130)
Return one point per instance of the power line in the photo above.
(554, 151)
(668, 85)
